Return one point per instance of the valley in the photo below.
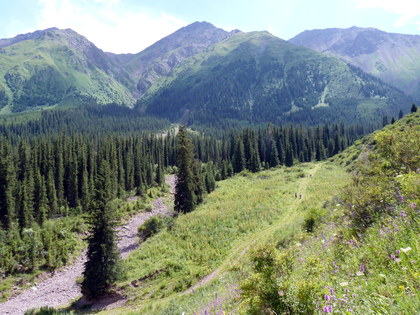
(212, 172)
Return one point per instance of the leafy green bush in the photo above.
(154, 225)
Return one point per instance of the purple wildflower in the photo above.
(332, 291)
(397, 252)
(392, 256)
(402, 214)
(362, 268)
(327, 297)
(412, 205)
(327, 309)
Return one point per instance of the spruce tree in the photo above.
(239, 156)
(185, 198)
(102, 267)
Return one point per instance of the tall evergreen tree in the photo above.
(239, 156)
(185, 198)
(102, 267)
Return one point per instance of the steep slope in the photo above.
(56, 66)
(395, 58)
(159, 59)
(259, 77)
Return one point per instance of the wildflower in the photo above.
(332, 291)
(397, 260)
(392, 256)
(327, 297)
(406, 250)
(362, 268)
(281, 293)
(344, 284)
(327, 309)
(382, 275)
(397, 252)
(359, 273)
(412, 205)
(402, 214)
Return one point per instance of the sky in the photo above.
(129, 26)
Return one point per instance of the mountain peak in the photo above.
(4, 42)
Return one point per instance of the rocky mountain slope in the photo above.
(56, 66)
(161, 58)
(259, 77)
(395, 58)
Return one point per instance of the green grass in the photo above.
(243, 212)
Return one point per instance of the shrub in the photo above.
(153, 226)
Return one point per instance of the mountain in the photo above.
(258, 77)
(56, 66)
(161, 58)
(394, 58)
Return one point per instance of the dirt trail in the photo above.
(61, 287)
(240, 251)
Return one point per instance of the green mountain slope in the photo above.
(258, 77)
(57, 67)
(161, 58)
(394, 58)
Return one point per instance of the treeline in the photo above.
(89, 119)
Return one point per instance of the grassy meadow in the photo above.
(244, 212)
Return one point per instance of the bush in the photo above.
(154, 225)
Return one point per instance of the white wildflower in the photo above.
(405, 250)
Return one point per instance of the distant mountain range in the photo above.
(199, 73)
(258, 77)
(394, 58)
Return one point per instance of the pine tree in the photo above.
(185, 198)
(274, 155)
(102, 267)
(289, 155)
(239, 156)
(7, 187)
(413, 108)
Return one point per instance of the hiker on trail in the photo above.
(300, 196)
(295, 195)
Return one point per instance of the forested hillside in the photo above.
(392, 57)
(257, 77)
(54, 66)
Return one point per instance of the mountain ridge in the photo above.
(258, 77)
(392, 57)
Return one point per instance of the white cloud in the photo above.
(408, 11)
(108, 23)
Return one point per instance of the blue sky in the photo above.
(128, 26)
